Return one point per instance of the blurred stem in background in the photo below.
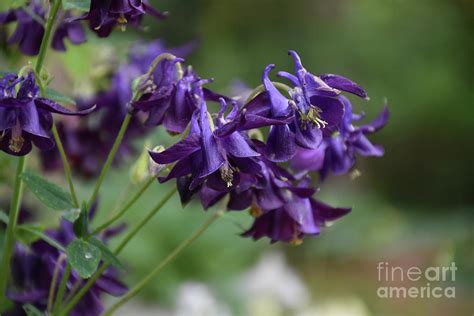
(130, 294)
(10, 233)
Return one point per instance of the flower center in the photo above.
(296, 240)
(16, 141)
(313, 118)
(255, 211)
(227, 174)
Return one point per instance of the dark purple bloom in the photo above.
(312, 109)
(342, 147)
(337, 153)
(205, 158)
(298, 217)
(29, 31)
(25, 117)
(172, 100)
(105, 15)
(33, 269)
(86, 141)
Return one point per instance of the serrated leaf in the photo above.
(4, 217)
(30, 310)
(72, 215)
(83, 257)
(58, 96)
(82, 5)
(38, 232)
(107, 255)
(49, 193)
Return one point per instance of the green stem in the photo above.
(120, 213)
(261, 88)
(76, 298)
(62, 288)
(144, 221)
(10, 233)
(110, 158)
(52, 286)
(137, 288)
(66, 166)
(47, 36)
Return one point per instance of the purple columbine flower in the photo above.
(172, 100)
(337, 153)
(202, 158)
(29, 30)
(298, 217)
(342, 147)
(105, 15)
(25, 117)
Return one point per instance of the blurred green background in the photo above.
(413, 207)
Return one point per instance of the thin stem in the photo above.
(130, 294)
(47, 36)
(120, 213)
(52, 287)
(144, 221)
(76, 298)
(110, 158)
(66, 166)
(62, 288)
(10, 233)
(261, 88)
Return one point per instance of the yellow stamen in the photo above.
(227, 174)
(16, 143)
(255, 211)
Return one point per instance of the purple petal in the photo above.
(344, 84)
(178, 151)
(332, 110)
(54, 107)
(280, 106)
(280, 144)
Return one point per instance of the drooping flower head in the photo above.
(174, 95)
(203, 158)
(25, 117)
(30, 29)
(105, 15)
(311, 109)
(86, 141)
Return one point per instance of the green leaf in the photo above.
(83, 257)
(72, 215)
(30, 310)
(38, 232)
(107, 255)
(27, 233)
(82, 5)
(58, 96)
(49, 193)
(4, 217)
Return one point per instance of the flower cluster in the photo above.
(310, 129)
(30, 29)
(26, 117)
(102, 17)
(87, 141)
(33, 269)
